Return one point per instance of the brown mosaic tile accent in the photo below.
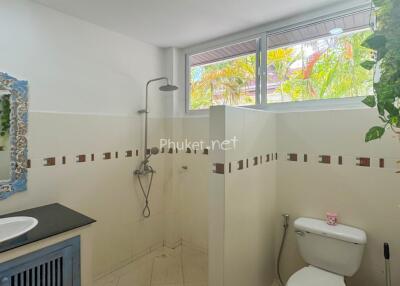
(292, 157)
(219, 168)
(255, 161)
(137, 152)
(230, 167)
(188, 150)
(162, 150)
(116, 155)
(170, 151)
(128, 153)
(324, 159)
(247, 163)
(340, 160)
(92, 157)
(364, 161)
(381, 163)
(49, 161)
(205, 151)
(63, 160)
(81, 158)
(28, 164)
(261, 161)
(107, 156)
(276, 156)
(268, 158)
(305, 158)
(240, 165)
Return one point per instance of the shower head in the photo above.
(168, 87)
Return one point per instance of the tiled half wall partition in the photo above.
(242, 198)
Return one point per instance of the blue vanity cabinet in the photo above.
(55, 265)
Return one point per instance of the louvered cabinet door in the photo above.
(57, 265)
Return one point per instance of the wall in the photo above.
(86, 84)
(242, 198)
(191, 171)
(365, 197)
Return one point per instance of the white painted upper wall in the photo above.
(75, 66)
(177, 23)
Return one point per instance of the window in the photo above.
(320, 60)
(224, 76)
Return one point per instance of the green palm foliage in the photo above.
(332, 71)
(226, 82)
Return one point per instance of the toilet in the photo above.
(332, 252)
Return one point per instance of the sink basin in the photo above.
(12, 227)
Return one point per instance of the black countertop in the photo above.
(53, 219)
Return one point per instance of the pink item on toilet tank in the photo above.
(331, 218)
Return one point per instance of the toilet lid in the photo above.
(312, 276)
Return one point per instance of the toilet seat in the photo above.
(312, 276)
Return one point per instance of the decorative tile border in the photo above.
(239, 165)
(302, 158)
(340, 160)
(85, 158)
(234, 166)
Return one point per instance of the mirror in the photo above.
(13, 132)
(5, 155)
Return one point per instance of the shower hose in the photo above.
(146, 193)
(285, 227)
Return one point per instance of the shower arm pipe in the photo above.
(146, 111)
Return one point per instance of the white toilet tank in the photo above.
(338, 249)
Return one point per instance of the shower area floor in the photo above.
(182, 266)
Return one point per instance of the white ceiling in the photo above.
(181, 23)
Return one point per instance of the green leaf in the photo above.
(375, 42)
(394, 120)
(384, 92)
(391, 109)
(381, 109)
(374, 133)
(368, 65)
(369, 101)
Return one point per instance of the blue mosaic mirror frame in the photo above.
(18, 135)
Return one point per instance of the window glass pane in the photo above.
(324, 64)
(226, 76)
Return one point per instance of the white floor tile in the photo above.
(162, 267)
(167, 270)
(109, 280)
